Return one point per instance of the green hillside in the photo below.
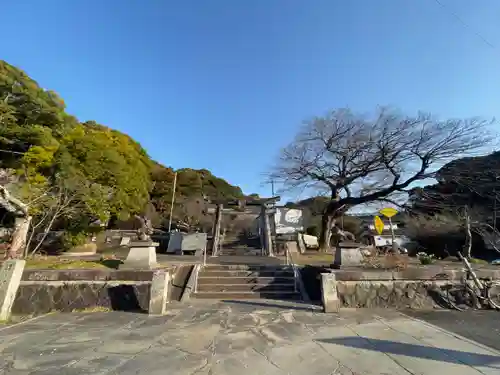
(49, 153)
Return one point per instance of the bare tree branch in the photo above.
(361, 160)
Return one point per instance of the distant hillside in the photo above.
(468, 181)
(192, 184)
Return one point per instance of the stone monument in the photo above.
(194, 243)
(347, 254)
(175, 243)
(10, 278)
(146, 230)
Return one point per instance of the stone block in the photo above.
(356, 275)
(144, 243)
(292, 247)
(300, 242)
(347, 256)
(124, 241)
(10, 279)
(174, 243)
(140, 258)
(158, 298)
(329, 296)
(310, 241)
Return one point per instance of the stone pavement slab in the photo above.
(240, 337)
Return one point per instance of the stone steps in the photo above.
(247, 267)
(260, 288)
(245, 273)
(291, 296)
(245, 281)
(240, 252)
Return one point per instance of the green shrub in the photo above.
(70, 240)
(425, 258)
(477, 261)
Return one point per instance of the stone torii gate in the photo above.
(266, 211)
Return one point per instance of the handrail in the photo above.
(205, 255)
(196, 269)
(289, 262)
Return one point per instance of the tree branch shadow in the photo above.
(417, 351)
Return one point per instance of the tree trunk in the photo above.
(333, 211)
(19, 237)
(327, 222)
(44, 236)
(468, 236)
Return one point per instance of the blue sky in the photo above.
(185, 77)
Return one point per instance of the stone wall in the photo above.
(388, 294)
(413, 288)
(43, 291)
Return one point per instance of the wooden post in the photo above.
(216, 230)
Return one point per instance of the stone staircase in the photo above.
(236, 245)
(246, 282)
(239, 251)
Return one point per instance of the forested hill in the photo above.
(106, 172)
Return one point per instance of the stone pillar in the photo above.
(10, 278)
(329, 296)
(347, 254)
(268, 243)
(300, 243)
(158, 298)
(216, 230)
(142, 256)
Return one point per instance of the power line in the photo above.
(464, 24)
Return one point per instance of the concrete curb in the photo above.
(190, 285)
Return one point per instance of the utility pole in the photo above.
(172, 205)
(495, 209)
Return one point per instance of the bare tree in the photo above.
(59, 201)
(359, 160)
(191, 211)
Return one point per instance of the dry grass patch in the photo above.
(313, 258)
(388, 261)
(94, 309)
(57, 263)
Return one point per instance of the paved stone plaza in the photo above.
(257, 337)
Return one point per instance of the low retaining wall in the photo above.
(413, 288)
(43, 291)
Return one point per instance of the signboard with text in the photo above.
(288, 220)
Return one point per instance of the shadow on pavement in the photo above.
(291, 306)
(482, 326)
(417, 351)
